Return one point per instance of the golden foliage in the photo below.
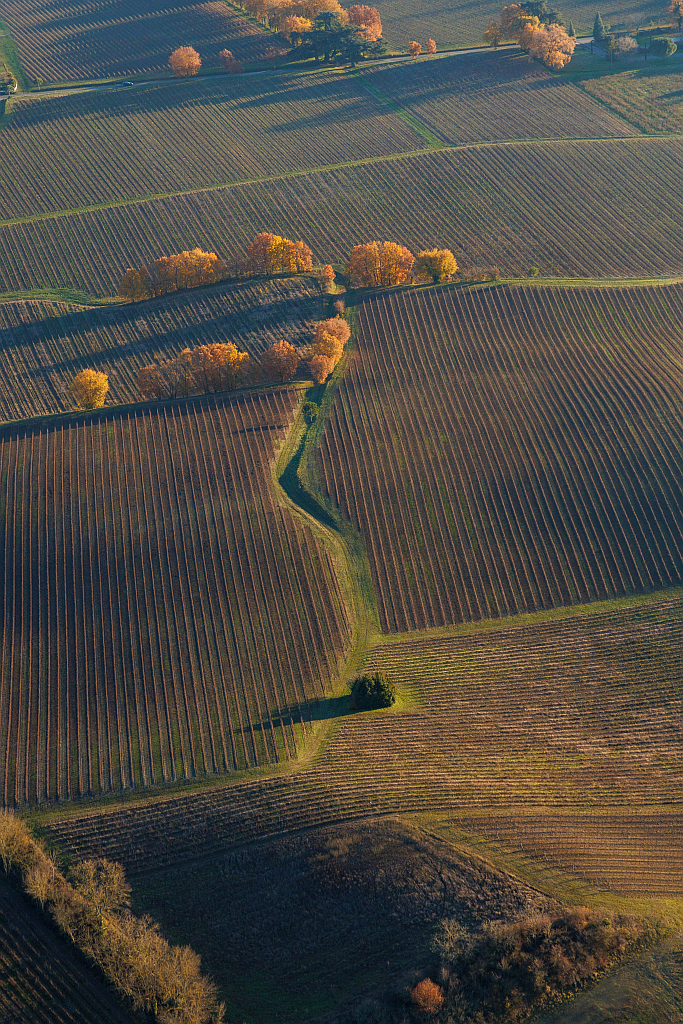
(280, 362)
(336, 326)
(379, 264)
(414, 48)
(185, 61)
(367, 19)
(203, 370)
(135, 285)
(493, 35)
(321, 367)
(431, 46)
(436, 264)
(293, 23)
(326, 276)
(511, 20)
(330, 338)
(88, 389)
(427, 997)
(551, 44)
(271, 254)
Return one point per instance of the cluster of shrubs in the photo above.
(506, 971)
(89, 905)
(372, 691)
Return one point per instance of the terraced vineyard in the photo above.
(104, 146)
(553, 715)
(64, 41)
(42, 977)
(163, 617)
(511, 449)
(44, 344)
(492, 97)
(463, 198)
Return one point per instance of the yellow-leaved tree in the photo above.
(272, 254)
(551, 44)
(431, 46)
(330, 338)
(414, 48)
(379, 264)
(88, 389)
(437, 264)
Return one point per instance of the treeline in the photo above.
(370, 265)
(90, 906)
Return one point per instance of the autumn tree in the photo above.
(437, 264)
(379, 264)
(293, 28)
(218, 367)
(336, 326)
(280, 361)
(430, 47)
(185, 61)
(88, 389)
(321, 367)
(227, 61)
(427, 997)
(492, 35)
(271, 254)
(135, 285)
(551, 44)
(103, 883)
(171, 378)
(367, 20)
(326, 276)
(414, 48)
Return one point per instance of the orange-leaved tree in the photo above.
(272, 254)
(414, 48)
(135, 285)
(218, 367)
(493, 35)
(171, 378)
(326, 276)
(226, 60)
(437, 264)
(336, 326)
(88, 389)
(430, 47)
(321, 367)
(280, 361)
(379, 264)
(427, 997)
(367, 20)
(185, 61)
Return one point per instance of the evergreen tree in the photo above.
(599, 28)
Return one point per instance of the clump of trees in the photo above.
(203, 370)
(88, 389)
(171, 273)
(330, 338)
(372, 691)
(280, 362)
(437, 265)
(506, 970)
(379, 264)
(272, 254)
(538, 29)
(366, 19)
(185, 61)
(90, 907)
(333, 38)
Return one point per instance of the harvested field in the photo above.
(492, 97)
(348, 907)
(511, 449)
(65, 41)
(554, 714)
(163, 617)
(459, 24)
(43, 981)
(461, 199)
(44, 344)
(104, 146)
(651, 98)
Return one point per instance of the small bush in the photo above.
(310, 411)
(533, 272)
(427, 997)
(372, 691)
(663, 47)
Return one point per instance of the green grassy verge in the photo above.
(9, 55)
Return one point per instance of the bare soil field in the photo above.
(344, 909)
(107, 146)
(489, 97)
(46, 343)
(41, 979)
(460, 199)
(511, 449)
(65, 41)
(164, 618)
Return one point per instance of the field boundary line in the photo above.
(325, 169)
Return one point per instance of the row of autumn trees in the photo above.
(537, 29)
(89, 904)
(370, 265)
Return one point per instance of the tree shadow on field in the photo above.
(324, 710)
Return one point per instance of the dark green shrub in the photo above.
(310, 411)
(372, 691)
(662, 47)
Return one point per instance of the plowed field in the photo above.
(44, 344)
(511, 449)
(163, 617)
